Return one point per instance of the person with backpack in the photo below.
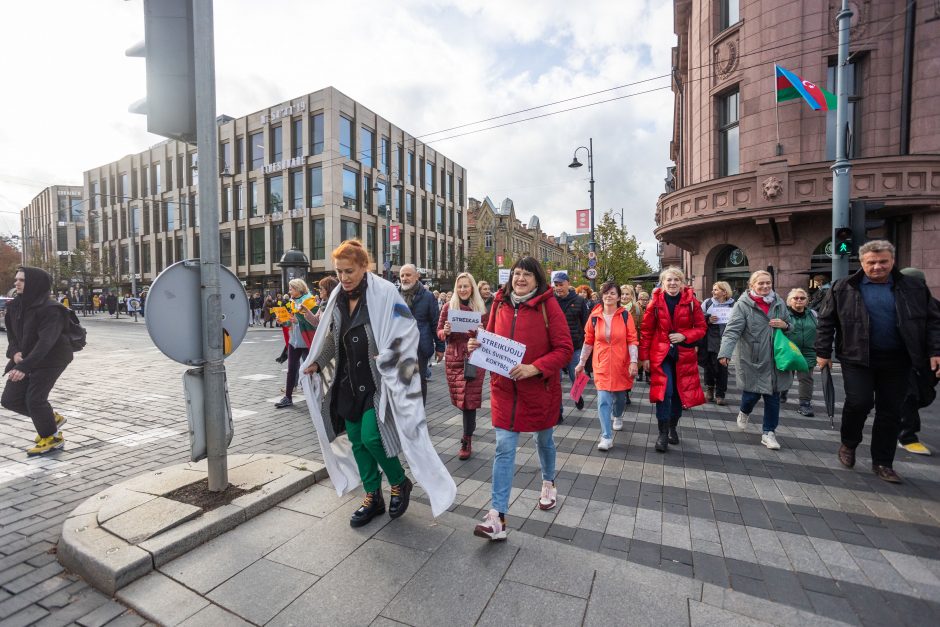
(717, 310)
(802, 332)
(576, 312)
(39, 347)
(610, 337)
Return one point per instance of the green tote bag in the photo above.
(786, 354)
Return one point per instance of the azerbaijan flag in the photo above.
(790, 86)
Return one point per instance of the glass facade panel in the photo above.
(277, 143)
(439, 215)
(253, 210)
(297, 189)
(256, 144)
(410, 208)
(227, 157)
(730, 13)
(367, 193)
(315, 187)
(384, 154)
(345, 137)
(240, 246)
(370, 241)
(429, 176)
(297, 138)
(169, 216)
(348, 229)
(239, 154)
(728, 141)
(275, 195)
(62, 214)
(277, 241)
(158, 178)
(316, 131)
(318, 238)
(225, 248)
(144, 181)
(297, 234)
(410, 168)
(350, 189)
(366, 141)
(257, 245)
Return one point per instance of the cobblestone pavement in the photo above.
(791, 526)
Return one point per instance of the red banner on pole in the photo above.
(394, 235)
(583, 220)
(499, 260)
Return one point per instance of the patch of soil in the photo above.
(198, 495)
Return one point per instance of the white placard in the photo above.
(722, 313)
(497, 353)
(463, 321)
(503, 276)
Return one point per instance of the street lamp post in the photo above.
(618, 213)
(577, 164)
(398, 186)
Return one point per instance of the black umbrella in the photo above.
(829, 393)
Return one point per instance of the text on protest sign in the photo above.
(497, 353)
(722, 313)
(503, 276)
(463, 321)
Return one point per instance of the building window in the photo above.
(297, 189)
(459, 224)
(439, 214)
(316, 187)
(239, 154)
(277, 241)
(348, 229)
(852, 88)
(256, 141)
(63, 209)
(316, 132)
(225, 248)
(730, 13)
(381, 197)
(729, 158)
(253, 199)
(410, 168)
(370, 241)
(144, 181)
(488, 240)
(367, 193)
(136, 219)
(431, 249)
(125, 191)
(240, 246)
(350, 189)
(366, 141)
(146, 254)
(429, 176)
(257, 245)
(62, 238)
(238, 201)
(450, 187)
(157, 178)
(384, 156)
(275, 202)
(396, 205)
(345, 137)
(423, 253)
(450, 221)
(318, 238)
(227, 165)
(169, 216)
(297, 234)
(226, 204)
(424, 213)
(410, 208)
(414, 249)
(297, 138)
(277, 143)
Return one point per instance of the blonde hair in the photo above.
(724, 286)
(628, 289)
(300, 285)
(476, 301)
(671, 270)
(796, 290)
(757, 273)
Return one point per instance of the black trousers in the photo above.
(716, 375)
(422, 372)
(30, 397)
(883, 386)
(469, 421)
(910, 420)
(294, 357)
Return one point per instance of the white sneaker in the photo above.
(770, 441)
(742, 420)
(549, 495)
(605, 444)
(491, 527)
(618, 424)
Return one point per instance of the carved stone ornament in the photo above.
(771, 188)
(725, 58)
(858, 23)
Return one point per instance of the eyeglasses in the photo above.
(798, 297)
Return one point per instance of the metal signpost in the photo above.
(842, 167)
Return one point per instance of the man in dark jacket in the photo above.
(883, 324)
(576, 313)
(424, 308)
(38, 352)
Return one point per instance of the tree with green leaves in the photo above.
(10, 260)
(618, 253)
(483, 267)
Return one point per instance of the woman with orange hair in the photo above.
(364, 356)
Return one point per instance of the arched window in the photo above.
(731, 265)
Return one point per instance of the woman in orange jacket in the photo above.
(610, 335)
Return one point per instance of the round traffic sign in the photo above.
(592, 255)
(591, 273)
(592, 263)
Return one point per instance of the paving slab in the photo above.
(162, 600)
(317, 500)
(704, 615)
(104, 560)
(149, 519)
(519, 604)
(262, 590)
(214, 616)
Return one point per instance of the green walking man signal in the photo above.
(844, 245)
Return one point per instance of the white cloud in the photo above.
(425, 64)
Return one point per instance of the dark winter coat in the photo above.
(715, 331)
(463, 394)
(844, 319)
(530, 404)
(576, 312)
(426, 312)
(34, 325)
(654, 345)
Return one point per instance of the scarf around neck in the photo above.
(518, 300)
(769, 299)
(408, 293)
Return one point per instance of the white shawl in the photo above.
(396, 335)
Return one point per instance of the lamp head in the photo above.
(574, 162)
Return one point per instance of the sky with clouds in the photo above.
(427, 65)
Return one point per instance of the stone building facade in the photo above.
(744, 196)
(52, 225)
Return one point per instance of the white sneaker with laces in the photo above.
(742, 420)
(491, 528)
(769, 440)
(605, 444)
(549, 496)
(618, 424)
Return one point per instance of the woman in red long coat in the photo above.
(526, 401)
(465, 393)
(672, 324)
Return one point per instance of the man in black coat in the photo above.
(426, 311)
(883, 324)
(576, 312)
(39, 352)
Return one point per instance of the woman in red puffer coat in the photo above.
(465, 393)
(526, 311)
(672, 324)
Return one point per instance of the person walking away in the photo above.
(112, 304)
(883, 324)
(672, 324)
(297, 344)
(424, 308)
(373, 400)
(628, 302)
(256, 303)
(802, 332)
(527, 401)
(610, 338)
(38, 353)
(576, 313)
(96, 303)
(464, 380)
(754, 320)
(716, 374)
(908, 438)
(266, 312)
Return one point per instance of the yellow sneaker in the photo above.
(916, 448)
(59, 421)
(47, 444)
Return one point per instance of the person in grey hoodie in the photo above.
(751, 329)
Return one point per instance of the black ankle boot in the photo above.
(398, 501)
(662, 442)
(673, 432)
(372, 505)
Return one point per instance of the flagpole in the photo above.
(779, 149)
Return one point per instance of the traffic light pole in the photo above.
(213, 369)
(841, 169)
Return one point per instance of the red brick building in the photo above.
(740, 199)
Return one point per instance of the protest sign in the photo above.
(722, 313)
(503, 276)
(497, 353)
(463, 321)
(282, 314)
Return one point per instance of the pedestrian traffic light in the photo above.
(844, 245)
(170, 105)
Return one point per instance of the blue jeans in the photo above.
(504, 463)
(771, 408)
(670, 408)
(607, 403)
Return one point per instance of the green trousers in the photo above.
(367, 449)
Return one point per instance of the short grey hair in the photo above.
(876, 246)
(408, 266)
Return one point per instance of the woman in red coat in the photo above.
(527, 401)
(465, 393)
(672, 324)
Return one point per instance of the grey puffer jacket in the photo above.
(749, 330)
